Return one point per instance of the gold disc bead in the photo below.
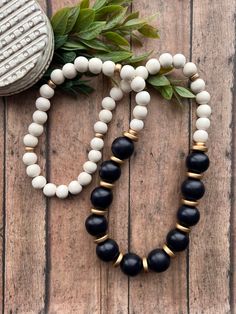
(117, 160)
(131, 136)
(193, 175)
(102, 239)
(189, 203)
(118, 261)
(107, 185)
(99, 135)
(29, 149)
(145, 264)
(133, 132)
(194, 77)
(98, 212)
(200, 146)
(52, 84)
(168, 251)
(182, 228)
(118, 67)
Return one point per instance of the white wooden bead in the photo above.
(57, 77)
(198, 86)
(39, 182)
(81, 64)
(200, 136)
(108, 103)
(69, 71)
(142, 71)
(94, 155)
(140, 112)
(74, 187)
(125, 86)
(84, 178)
(49, 190)
(136, 125)
(153, 66)
(143, 98)
(204, 111)
(189, 69)
(105, 115)
(100, 127)
(35, 129)
(166, 60)
(179, 61)
(62, 191)
(203, 124)
(138, 84)
(97, 143)
(33, 170)
(40, 117)
(127, 72)
(30, 140)
(42, 104)
(46, 91)
(95, 65)
(29, 158)
(89, 167)
(108, 68)
(203, 97)
(116, 93)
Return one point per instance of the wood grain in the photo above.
(2, 219)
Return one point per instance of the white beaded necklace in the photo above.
(131, 80)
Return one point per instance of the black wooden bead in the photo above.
(131, 264)
(96, 225)
(188, 216)
(122, 147)
(177, 240)
(193, 189)
(101, 197)
(107, 251)
(109, 171)
(197, 162)
(158, 260)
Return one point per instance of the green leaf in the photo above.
(59, 21)
(115, 20)
(140, 58)
(158, 80)
(84, 4)
(133, 25)
(96, 44)
(84, 20)
(72, 18)
(73, 45)
(99, 4)
(93, 31)
(149, 31)
(116, 56)
(68, 56)
(183, 92)
(132, 16)
(60, 41)
(101, 13)
(116, 38)
(166, 92)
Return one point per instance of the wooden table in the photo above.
(48, 260)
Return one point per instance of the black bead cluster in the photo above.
(177, 239)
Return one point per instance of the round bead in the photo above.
(46, 91)
(96, 225)
(142, 72)
(204, 111)
(158, 260)
(30, 140)
(179, 61)
(143, 98)
(110, 171)
(197, 162)
(136, 125)
(35, 129)
(122, 147)
(42, 104)
(131, 264)
(40, 117)
(192, 189)
(140, 112)
(108, 68)
(49, 190)
(127, 72)
(203, 97)
(57, 77)
(81, 64)
(69, 71)
(198, 86)
(108, 103)
(125, 86)
(203, 123)
(90, 167)
(100, 127)
(107, 251)
(177, 240)
(105, 115)
(29, 158)
(200, 136)
(166, 60)
(62, 191)
(101, 197)
(33, 170)
(116, 93)
(97, 143)
(84, 178)
(39, 182)
(190, 69)
(138, 84)
(74, 187)
(95, 65)
(94, 155)
(153, 66)
(188, 216)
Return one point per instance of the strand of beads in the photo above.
(192, 189)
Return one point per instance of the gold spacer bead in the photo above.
(98, 212)
(117, 160)
(102, 239)
(99, 135)
(131, 136)
(145, 264)
(133, 132)
(182, 228)
(200, 148)
(118, 261)
(29, 149)
(189, 203)
(107, 185)
(194, 77)
(168, 251)
(195, 175)
(52, 84)
(118, 67)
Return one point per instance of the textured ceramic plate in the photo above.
(26, 45)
